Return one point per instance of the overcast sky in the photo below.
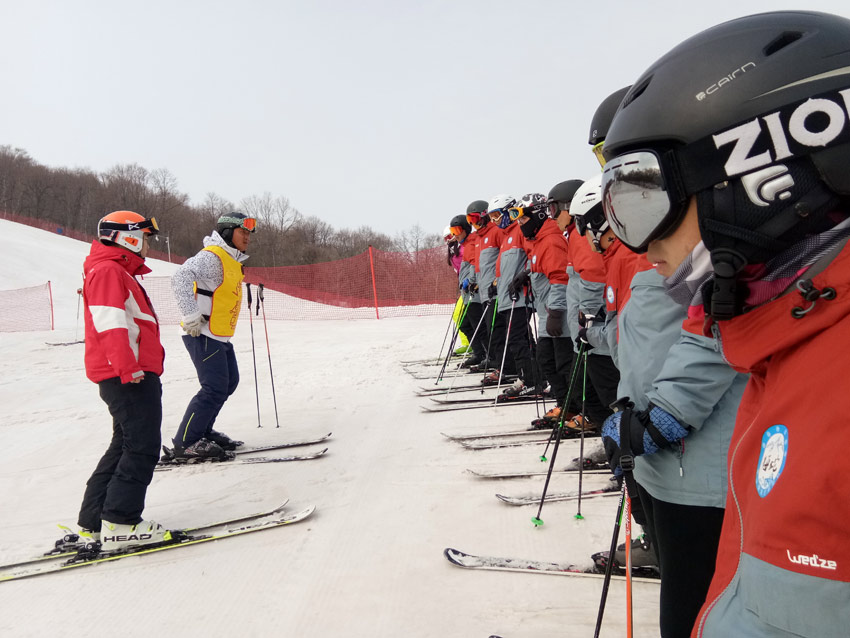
(361, 112)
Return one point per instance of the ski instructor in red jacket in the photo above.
(124, 358)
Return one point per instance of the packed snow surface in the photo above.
(391, 493)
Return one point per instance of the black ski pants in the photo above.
(474, 314)
(116, 490)
(604, 377)
(218, 374)
(502, 338)
(555, 358)
(685, 538)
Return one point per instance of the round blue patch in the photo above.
(774, 451)
(609, 294)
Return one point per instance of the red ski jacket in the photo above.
(621, 265)
(784, 554)
(122, 331)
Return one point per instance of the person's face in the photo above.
(241, 237)
(564, 219)
(667, 254)
(146, 245)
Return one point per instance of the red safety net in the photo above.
(374, 283)
(26, 309)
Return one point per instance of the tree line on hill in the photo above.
(77, 198)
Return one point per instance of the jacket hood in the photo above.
(131, 262)
(214, 239)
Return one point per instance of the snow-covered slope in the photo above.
(391, 493)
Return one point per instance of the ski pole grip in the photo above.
(248, 286)
(260, 299)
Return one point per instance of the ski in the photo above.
(69, 544)
(495, 563)
(496, 398)
(471, 445)
(281, 446)
(494, 435)
(232, 461)
(64, 343)
(558, 498)
(467, 406)
(181, 540)
(168, 457)
(567, 436)
(521, 474)
(426, 391)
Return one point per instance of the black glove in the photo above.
(473, 287)
(581, 339)
(491, 290)
(555, 322)
(518, 283)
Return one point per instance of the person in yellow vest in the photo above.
(208, 290)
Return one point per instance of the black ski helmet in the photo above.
(478, 206)
(460, 220)
(601, 120)
(751, 117)
(563, 192)
(227, 222)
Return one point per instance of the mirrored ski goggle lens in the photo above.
(249, 223)
(457, 231)
(634, 199)
(515, 213)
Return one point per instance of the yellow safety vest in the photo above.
(227, 298)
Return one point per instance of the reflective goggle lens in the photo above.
(473, 218)
(249, 223)
(515, 213)
(597, 151)
(635, 200)
(456, 231)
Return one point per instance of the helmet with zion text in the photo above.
(751, 117)
(126, 229)
(230, 221)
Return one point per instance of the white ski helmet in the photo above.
(500, 203)
(586, 208)
(126, 229)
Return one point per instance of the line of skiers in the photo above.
(705, 276)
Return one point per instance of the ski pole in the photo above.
(627, 513)
(254, 355)
(557, 432)
(505, 351)
(453, 342)
(445, 336)
(609, 566)
(77, 324)
(466, 354)
(566, 401)
(262, 304)
(581, 444)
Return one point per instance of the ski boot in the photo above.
(223, 441)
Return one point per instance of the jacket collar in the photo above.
(751, 338)
(131, 262)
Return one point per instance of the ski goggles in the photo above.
(248, 223)
(556, 208)
(457, 231)
(597, 151)
(637, 199)
(523, 211)
(474, 218)
(149, 226)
